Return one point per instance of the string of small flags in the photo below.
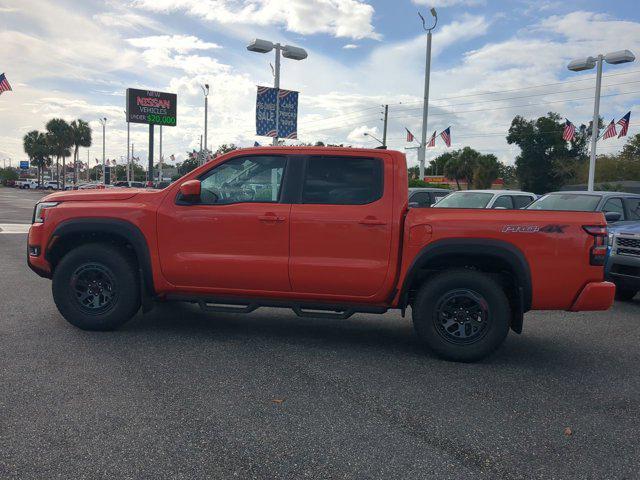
(569, 131)
(445, 135)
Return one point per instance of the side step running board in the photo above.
(301, 309)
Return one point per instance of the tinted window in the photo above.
(614, 205)
(567, 201)
(503, 201)
(521, 201)
(465, 200)
(423, 199)
(243, 179)
(633, 206)
(342, 180)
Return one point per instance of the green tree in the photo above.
(7, 174)
(81, 137)
(224, 148)
(61, 140)
(37, 147)
(437, 165)
(486, 171)
(546, 161)
(191, 163)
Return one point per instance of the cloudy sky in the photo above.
(491, 60)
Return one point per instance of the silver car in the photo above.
(497, 199)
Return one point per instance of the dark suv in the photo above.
(425, 197)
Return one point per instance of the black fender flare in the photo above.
(119, 228)
(499, 249)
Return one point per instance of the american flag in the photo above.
(410, 137)
(432, 142)
(569, 131)
(446, 136)
(4, 84)
(624, 125)
(611, 130)
(173, 158)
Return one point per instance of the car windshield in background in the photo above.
(465, 200)
(567, 201)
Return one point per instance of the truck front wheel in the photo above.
(95, 287)
(461, 315)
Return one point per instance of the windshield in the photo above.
(567, 201)
(465, 200)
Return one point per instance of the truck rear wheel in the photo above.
(95, 287)
(461, 315)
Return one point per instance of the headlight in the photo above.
(39, 210)
(612, 236)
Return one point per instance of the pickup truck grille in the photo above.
(628, 246)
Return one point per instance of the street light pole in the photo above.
(425, 105)
(205, 90)
(276, 84)
(594, 126)
(128, 145)
(581, 64)
(103, 121)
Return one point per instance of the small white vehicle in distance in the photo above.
(29, 184)
(488, 199)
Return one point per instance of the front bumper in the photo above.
(595, 296)
(35, 241)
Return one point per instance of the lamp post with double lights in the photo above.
(287, 51)
(581, 64)
(422, 153)
(205, 90)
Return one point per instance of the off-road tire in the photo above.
(118, 269)
(450, 291)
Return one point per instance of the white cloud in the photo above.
(340, 18)
(350, 46)
(179, 43)
(450, 3)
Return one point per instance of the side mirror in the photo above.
(414, 204)
(612, 216)
(190, 190)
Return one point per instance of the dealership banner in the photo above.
(266, 113)
(152, 108)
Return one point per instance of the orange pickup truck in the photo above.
(326, 232)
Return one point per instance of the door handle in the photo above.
(270, 218)
(371, 221)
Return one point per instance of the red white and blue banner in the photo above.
(287, 113)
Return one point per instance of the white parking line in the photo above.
(14, 228)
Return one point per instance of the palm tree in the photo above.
(81, 135)
(61, 140)
(37, 148)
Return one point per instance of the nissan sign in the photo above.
(151, 108)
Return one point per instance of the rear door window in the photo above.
(342, 180)
(521, 201)
(503, 201)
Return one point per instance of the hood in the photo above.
(108, 194)
(626, 227)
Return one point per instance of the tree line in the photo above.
(59, 141)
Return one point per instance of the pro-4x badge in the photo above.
(552, 228)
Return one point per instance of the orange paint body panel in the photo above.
(358, 254)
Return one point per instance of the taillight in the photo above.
(598, 254)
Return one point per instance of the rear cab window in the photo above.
(576, 202)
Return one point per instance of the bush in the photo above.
(414, 183)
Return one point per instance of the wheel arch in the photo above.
(484, 254)
(71, 233)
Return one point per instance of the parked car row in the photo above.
(32, 184)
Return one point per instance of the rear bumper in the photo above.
(595, 296)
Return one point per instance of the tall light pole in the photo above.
(367, 134)
(205, 90)
(288, 51)
(581, 64)
(425, 105)
(103, 122)
(128, 145)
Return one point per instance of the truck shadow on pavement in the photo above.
(389, 334)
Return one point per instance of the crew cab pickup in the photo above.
(324, 231)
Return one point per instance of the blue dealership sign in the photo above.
(266, 113)
(24, 164)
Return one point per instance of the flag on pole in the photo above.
(97, 161)
(173, 158)
(410, 137)
(4, 84)
(446, 136)
(611, 130)
(432, 141)
(569, 131)
(624, 124)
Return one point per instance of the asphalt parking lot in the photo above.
(182, 394)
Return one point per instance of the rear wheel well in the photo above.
(498, 267)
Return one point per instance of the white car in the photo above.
(496, 199)
(51, 185)
(27, 184)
